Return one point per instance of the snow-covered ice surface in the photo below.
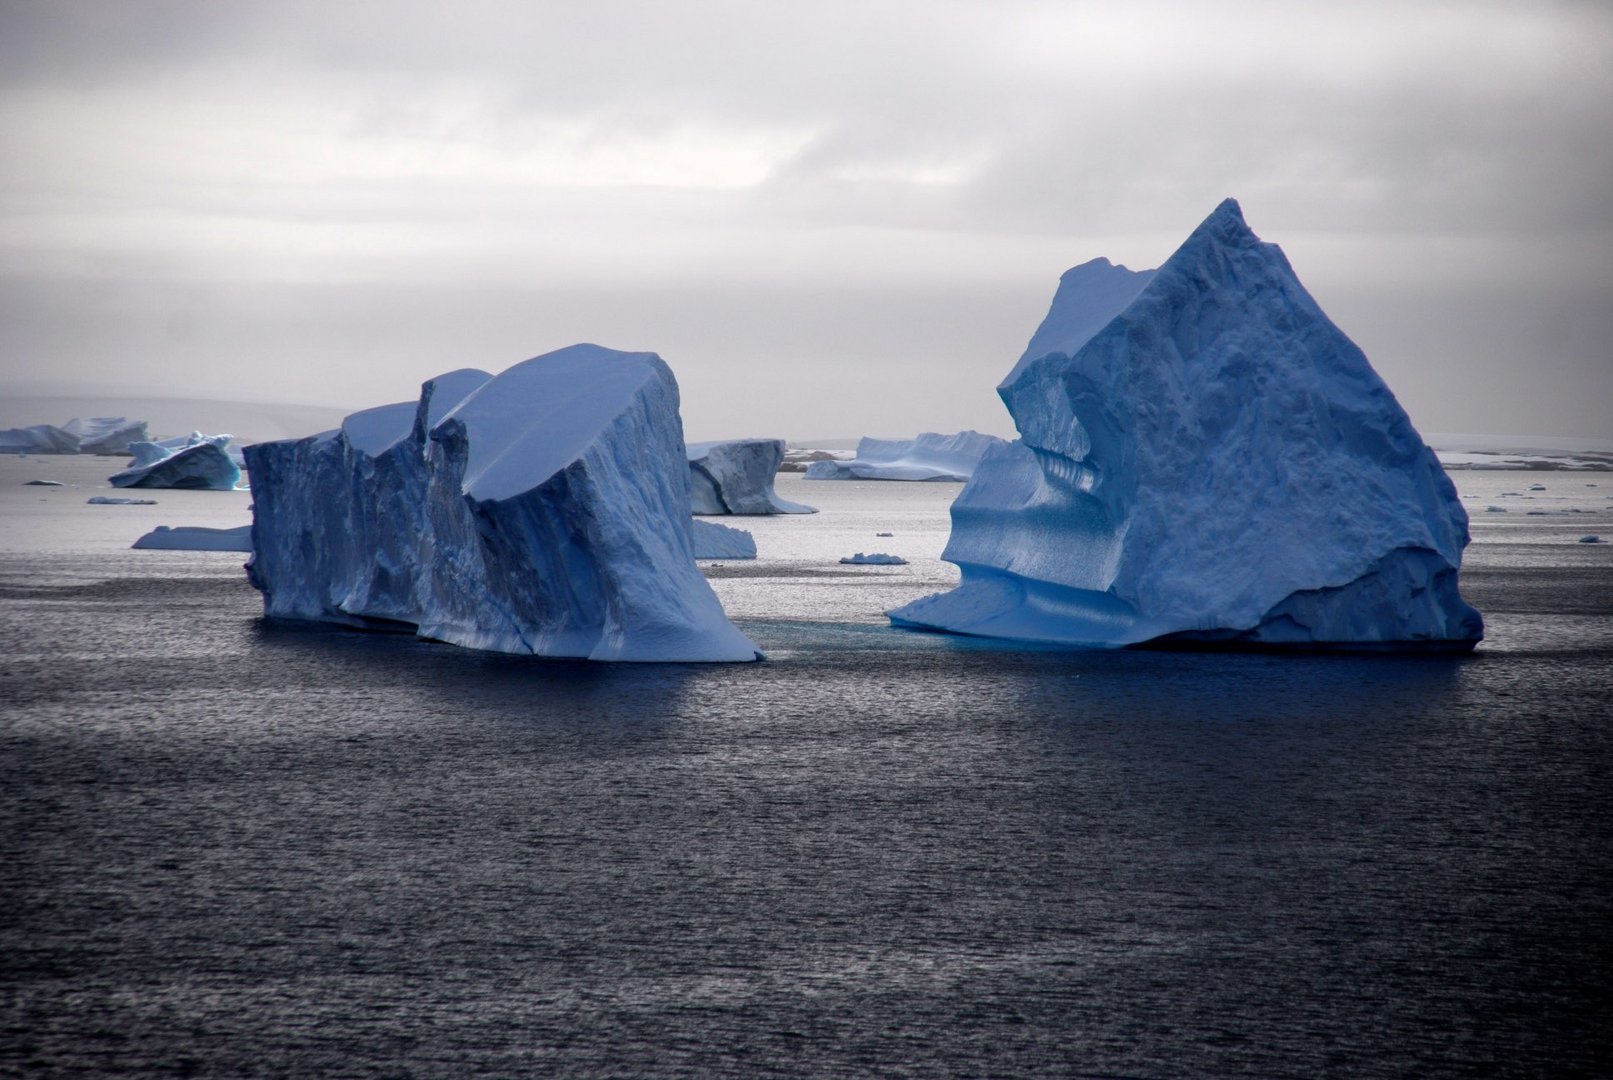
(200, 462)
(1216, 464)
(735, 476)
(928, 456)
(542, 511)
(714, 541)
(196, 538)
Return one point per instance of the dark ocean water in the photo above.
(230, 848)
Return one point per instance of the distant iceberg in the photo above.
(110, 435)
(196, 462)
(929, 456)
(713, 541)
(877, 558)
(196, 538)
(1205, 459)
(544, 511)
(82, 435)
(38, 439)
(736, 477)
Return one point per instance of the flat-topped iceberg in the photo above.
(735, 476)
(929, 456)
(194, 462)
(196, 538)
(1205, 459)
(544, 511)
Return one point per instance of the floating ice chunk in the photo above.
(1215, 463)
(543, 511)
(196, 538)
(44, 483)
(929, 456)
(736, 477)
(1592, 539)
(111, 500)
(1537, 487)
(713, 541)
(1491, 508)
(877, 558)
(197, 462)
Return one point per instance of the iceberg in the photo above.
(1204, 460)
(929, 456)
(38, 439)
(109, 435)
(80, 435)
(196, 462)
(713, 541)
(736, 477)
(876, 558)
(543, 511)
(195, 538)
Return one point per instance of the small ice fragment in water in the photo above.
(877, 558)
(107, 500)
(44, 483)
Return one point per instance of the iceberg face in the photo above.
(929, 456)
(544, 511)
(736, 477)
(1215, 462)
(199, 461)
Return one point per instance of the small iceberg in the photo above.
(196, 462)
(113, 500)
(1592, 539)
(877, 558)
(196, 538)
(713, 541)
(736, 477)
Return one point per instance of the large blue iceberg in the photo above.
(544, 511)
(1205, 459)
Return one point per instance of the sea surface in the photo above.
(233, 848)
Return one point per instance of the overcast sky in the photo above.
(831, 219)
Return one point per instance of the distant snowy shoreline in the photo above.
(1509, 452)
